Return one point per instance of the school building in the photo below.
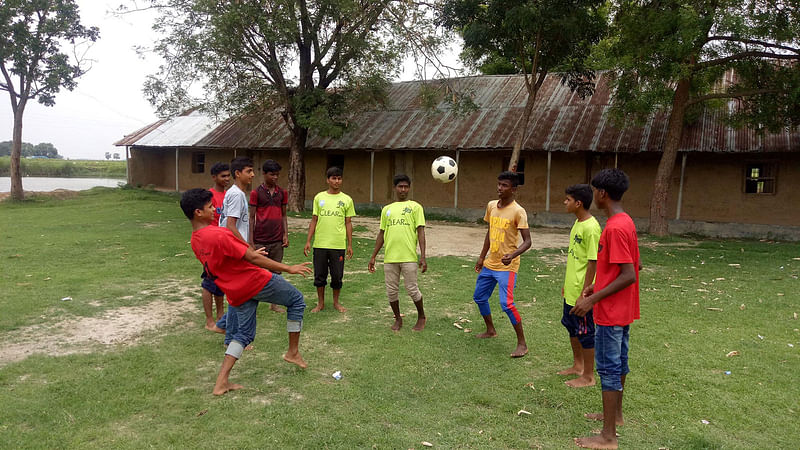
(726, 181)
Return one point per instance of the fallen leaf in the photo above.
(735, 265)
(47, 279)
(705, 422)
(522, 411)
(794, 316)
(760, 337)
(202, 413)
(719, 279)
(780, 294)
(467, 330)
(693, 331)
(742, 307)
(180, 254)
(733, 353)
(427, 444)
(530, 385)
(791, 345)
(456, 324)
(666, 344)
(702, 290)
(714, 309)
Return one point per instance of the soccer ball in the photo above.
(444, 169)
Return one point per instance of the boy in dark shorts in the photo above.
(507, 221)
(239, 271)
(332, 231)
(268, 227)
(213, 295)
(581, 266)
(614, 297)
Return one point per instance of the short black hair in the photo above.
(613, 181)
(401, 177)
(219, 168)
(271, 165)
(194, 199)
(239, 164)
(581, 193)
(510, 176)
(334, 171)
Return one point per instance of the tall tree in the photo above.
(315, 62)
(33, 65)
(531, 37)
(672, 54)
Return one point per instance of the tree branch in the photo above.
(744, 55)
(739, 95)
(753, 42)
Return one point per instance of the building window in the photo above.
(520, 168)
(760, 178)
(335, 161)
(198, 162)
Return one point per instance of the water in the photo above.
(45, 184)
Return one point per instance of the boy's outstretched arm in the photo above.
(312, 228)
(484, 251)
(257, 259)
(626, 277)
(348, 226)
(526, 244)
(378, 245)
(422, 245)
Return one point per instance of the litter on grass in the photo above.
(427, 444)
(66, 299)
(733, 353)
(522, 411)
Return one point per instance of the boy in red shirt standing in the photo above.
(615, 300)
(239, 270)
(268, 227)
(221, 174)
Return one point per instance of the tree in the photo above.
(314, 62)
(116, 155)
(672, 54)
(532, 37)
(47, 150)
(32, 63)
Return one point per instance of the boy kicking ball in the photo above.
(239, 271)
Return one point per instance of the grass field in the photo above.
(65, 168)
(120, 253)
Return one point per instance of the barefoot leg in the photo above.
(420, 325)
(219, 301)
(207, 304)
(577, 358)
(490, 331)
(336, 305)
(587, 376)
(522, 346)
(293, 354)
(320, 299)
(608, 437)
(223, 385)
(398, 319)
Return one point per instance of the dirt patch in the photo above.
(448, 239)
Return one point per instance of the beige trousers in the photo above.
(392, 272)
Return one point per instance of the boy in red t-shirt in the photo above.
(221, 174)
(268, 227)
(614, 297)
(239, 271)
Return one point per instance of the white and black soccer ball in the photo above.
(444, 169)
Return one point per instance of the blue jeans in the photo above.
(611, 355)
(240, 321)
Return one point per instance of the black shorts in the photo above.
(328, 259)
(210, 286)
(274, 251)
(579, 327)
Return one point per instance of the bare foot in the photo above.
(580, 382)
(295, 359)
(486, 334)
(520, 351)
(398, 323)
(599, 417)
(276, 308)
(318, 308)
(420, 325)
(571, 371)
(596, 442)
(339, 307)
(215, 328)
(219, 390)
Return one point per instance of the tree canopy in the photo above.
(45, 149)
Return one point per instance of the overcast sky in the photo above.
(107, 103)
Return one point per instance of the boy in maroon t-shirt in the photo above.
(239, 271)
(221, 174)
(268, 227)
(614, 299)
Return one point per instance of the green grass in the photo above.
(113, 248)
(65, 168)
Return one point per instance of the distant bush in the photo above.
(59, 168)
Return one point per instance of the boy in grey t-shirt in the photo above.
(234, 214)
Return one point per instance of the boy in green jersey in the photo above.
(581, 267)
(402, 227)
(332, 232)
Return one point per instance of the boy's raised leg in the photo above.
(293, 354)
(336, 305)
(577, 358)
(320, 299)
(490, 331)
(522, 346)
(207, 305)
(398, 319)
(586, 377)
(219, 301)
(420, 325)
(223, 385)
(608, 437)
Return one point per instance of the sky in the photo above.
(108, 103)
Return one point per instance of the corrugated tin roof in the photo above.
(561, 121)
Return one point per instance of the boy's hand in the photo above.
(371, 265)
(261, 251)
(285, 240)
(423, 264)
(300, 269)
(307, 248)
(349, 252)
(506, 259)
(479, 265)
(582, 306)
(588, 291)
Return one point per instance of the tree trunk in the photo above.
(16, 153)
(522, 130)
(663, 182)
(297, 171)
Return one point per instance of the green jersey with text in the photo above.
(583, 240)
(331, 210)
(399, 222)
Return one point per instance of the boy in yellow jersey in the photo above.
(507, 221)
(332, 231)
(581, 266)
(402, 227)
